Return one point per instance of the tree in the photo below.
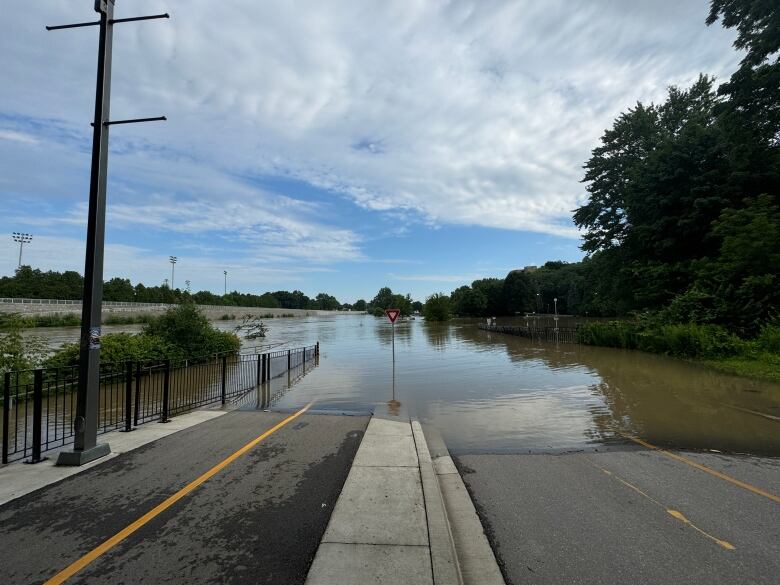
(518, 292)
(437, 307)
(383, 299)
(119, 289)
(360, 305)
(467, 302)
(493, 291)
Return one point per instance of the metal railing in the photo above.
(39, 405)
(550, 334)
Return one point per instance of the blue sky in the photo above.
(336, 148)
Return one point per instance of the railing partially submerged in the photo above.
(550, 334)
(39, 405)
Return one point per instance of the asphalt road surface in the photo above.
(257, 520)
(629, 515)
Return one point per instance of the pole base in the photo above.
(80, 457)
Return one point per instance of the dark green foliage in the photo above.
(518, 293)
(437, 308)
(182, 333)
(682, 216)
(34, 284)
(385, 299)
(360, 305)
(687, 340)
(467, 302)
(758, 24)
(186, 328)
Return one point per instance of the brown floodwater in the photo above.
(491, 392)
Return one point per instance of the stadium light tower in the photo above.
(21, 239)
(173, 260)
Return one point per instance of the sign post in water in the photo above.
(392, 314)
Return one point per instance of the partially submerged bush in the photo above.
(183, 332)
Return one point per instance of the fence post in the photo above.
(317, 350)
(166, 390)
(259, 375)
(288, 359)
(128, 397)
(6, 413)
(37, 415)
(137, 392)
(224, 378)
(264, 376)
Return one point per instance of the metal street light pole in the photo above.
(85, 422)
(225, 273)
(173, 260)
(22, 239)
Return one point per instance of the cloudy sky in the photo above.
(329, 146)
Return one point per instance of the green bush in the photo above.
(117, 348)
(17, 352)
(687, 340)
(183, 332)
(690, 341)
(769, 338)
(621, 334)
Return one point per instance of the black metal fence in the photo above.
(39, 405)
(551, 334)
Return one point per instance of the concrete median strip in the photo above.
(391, 523)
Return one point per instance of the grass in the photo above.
(32, 321)
(765, 366)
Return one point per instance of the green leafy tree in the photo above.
(360, 305)
(437, 308)
(518, 292)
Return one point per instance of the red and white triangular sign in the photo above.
(392, 314)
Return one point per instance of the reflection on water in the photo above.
(493, 392)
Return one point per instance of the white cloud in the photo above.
(464, 112)
(17, 137)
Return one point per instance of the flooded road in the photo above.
(487, 392)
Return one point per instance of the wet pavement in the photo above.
(629, 515)
(258, 520)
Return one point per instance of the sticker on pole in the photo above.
(392, 314)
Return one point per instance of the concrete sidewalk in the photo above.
(390, 524)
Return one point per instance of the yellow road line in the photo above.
(673, 513)
(705, 469)
(107, 545)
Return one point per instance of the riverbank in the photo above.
(711, 345)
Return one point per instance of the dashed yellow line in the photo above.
(705, 469)
(107, 545)
(673, 513)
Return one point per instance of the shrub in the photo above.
(769, 338)
(17, 352)
(186, 327)
(619, 334)
(183, 332)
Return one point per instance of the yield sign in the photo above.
(392, 314)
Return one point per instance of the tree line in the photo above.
(682, 219)
(37, 284)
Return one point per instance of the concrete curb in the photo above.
(478, 565)
(444, 559)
